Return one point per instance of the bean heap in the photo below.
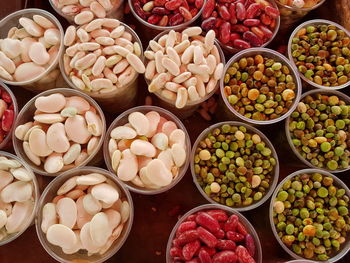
(260, 88)
(184, 67)
(64, 133)
(167, 12)
(29, 50)
(101, 56)
(319, 129)
(84, 11)
(322, 54)
(300, 3)
(88, 213)
(234, 166)
(149, 150)
(6, 114)
(240, 24)
(17, 197)
(311, 216)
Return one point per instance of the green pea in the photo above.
(220, 153)
(290, 229)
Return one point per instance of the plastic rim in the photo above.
(311, 92)
(264, 139)
(268, 53)
(171, 117)
(309, 23)
(308, 171)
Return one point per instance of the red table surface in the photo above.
(156, 215)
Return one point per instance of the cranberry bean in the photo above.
(239, 28)
(267, 32)
(253, 10)
(257, 31)
(250, 245)
(234, 236)
(185, 226)
(232, 10)
(251, 22)
(185, 13)
(225, 257)
(241, 44)
(234, 36)
(271, 11)
(241, 229)
(243, 255)
(7, 120)
(173, 4)
(253, 39)
(225, 32)
(204, 256)
(176, 19)
(226, 245)
(206, 237)
(190, 249)
(186, 237)
(240, 11)
(231, 224)
(208, 8)
(224, 13)
(159, 2)
(160, 11)
(219, 215)
(210, 250)
(220, 234)
(208, 222)
(154, 19)
(139, 11)
(265, 19)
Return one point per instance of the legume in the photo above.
(300, 3)
(7, 114)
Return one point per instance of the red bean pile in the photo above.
(167, 12)
(240, 24)
(6, 113)
(212, 237)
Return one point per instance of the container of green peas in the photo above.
(234, 164)
(309, 216)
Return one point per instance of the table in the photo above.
(156, 215)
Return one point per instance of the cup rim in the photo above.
(264, 139)
(337, 181)
(69, 174)
(232, 211)
(182, 170)
(71, 92)
(52, 18)
(307, 9)
(189, 103)
(287, 133)
(36, 194)
(269, 53)
(8, 138)
(289, 49)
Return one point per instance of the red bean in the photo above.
(234, 36)
(225, 257)
(241, 229)
(184, 4)
(194, 12)
(225, 32)
(239, 28)
(219, 215)
(176, 19)
(159, 2)
(220, 234)
(198, 3)
(226, 245)
(224, 13)
(208, 222)
(208, 8)
(208, 23)
(251, 22)
(6, 97)
(154, 19)
(185, 13)
(267, 32)
(195, 260)
(206, 237)
(240, 11)
(234, 236)
(176, 252)
(190, 249)
(139, 11)
(271, 11)
(250, 244)
(160, 11)
(185, 226)
(252, 39)
(163, 21)
(186, 237)
(265, 19)
(173, 4)
(241, 44)
(232, 11)
(253, 10)
(231, 224)
(7, 120)
(204, 256)
(243, 255)
(191, 218)
(210, 250)
(257, 31)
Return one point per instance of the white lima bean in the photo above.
(27, 54)
(67, 130)
(89, 222)
(186, 60)
(142, 151)
(101, 56)
(17, 197)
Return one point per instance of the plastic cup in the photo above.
(300, 261)
(269, 53)
(230, 211)
(115, 12)
(191, 106)
(249, 129)
(51, 191)
(150, 31)
(7, 140)
(232, 50)
(26, 115)
(46, 80)
(289, 139)
(36, 196)
(121, 120)
(315, 22)
(344, 248)
(290, 15)
(121, 98)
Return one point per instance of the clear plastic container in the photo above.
(116, 12)
(46, 80)
(344, 248)
(287, 133)
(26, 115)
(290, 15)
(232, 50)
(269, 53)
(191, 106)
(315, 22)
(251, 230)
(150, 30)
(121, 98)
(263, 138)
(300, 261)
(36, 195)
(51, 191)
(123, 119)
(6, 143)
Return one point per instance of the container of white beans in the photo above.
(103, 59)
(84, 215)
(183, 69)
(58, 130)
(83, 11)
(19, 196)
(148, 148)
(31, 45)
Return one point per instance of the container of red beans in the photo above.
(8, 113)
(241, 24)
(159, 15)
(213, 233)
